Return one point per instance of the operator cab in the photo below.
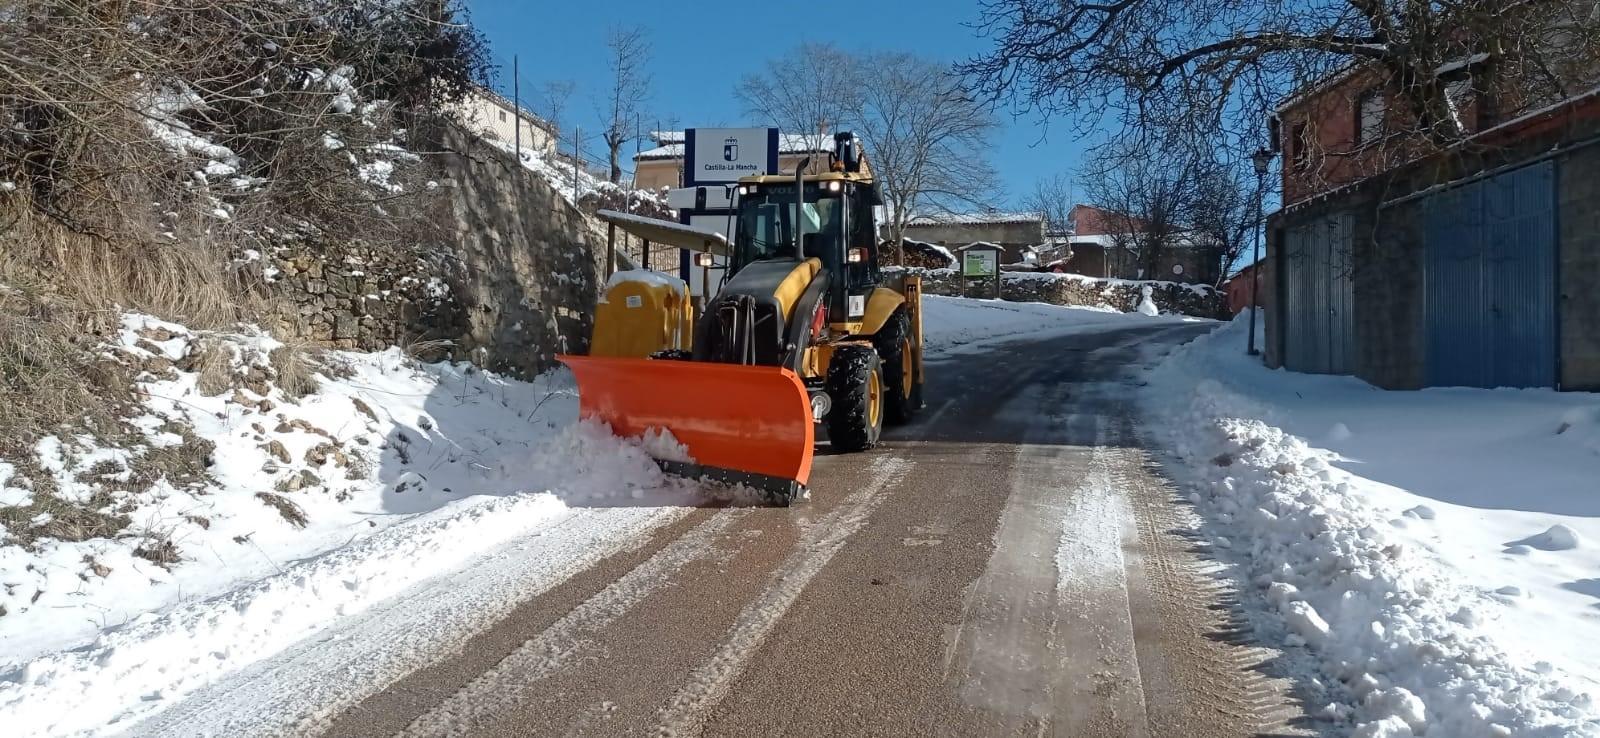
(836, 226)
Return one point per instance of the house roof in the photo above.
(672, 144)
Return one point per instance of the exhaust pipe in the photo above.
(800, 207)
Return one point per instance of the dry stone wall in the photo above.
(1075, 290)
(507, 280)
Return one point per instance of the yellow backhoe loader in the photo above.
(805, 333)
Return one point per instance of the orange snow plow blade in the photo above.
(741, 424)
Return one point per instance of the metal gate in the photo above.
(1490, 281)
(1318, 330)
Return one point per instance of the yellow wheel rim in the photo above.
(874, 399)
(907, 369)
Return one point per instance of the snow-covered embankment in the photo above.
(314, 510)
(1429, 557)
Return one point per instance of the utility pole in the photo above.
(516, 101)
(577, 159)
(1262, 160)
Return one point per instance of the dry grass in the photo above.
(185, 464)
(212, 360)
(188, 281)
(49, 516)
(295, 367)
(286, 507)
(427, 351)
(52, 375)
(159, 550)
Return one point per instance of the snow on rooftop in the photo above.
(983, 217)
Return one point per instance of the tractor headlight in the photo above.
(821, 403)
(833, 186)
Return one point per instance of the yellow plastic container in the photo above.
(642, 312)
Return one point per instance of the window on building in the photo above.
(1371, 108)
(1300, 142)
(503, 117)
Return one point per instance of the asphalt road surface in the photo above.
(1012, 563)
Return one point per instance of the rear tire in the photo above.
(902, 386)
(855, 383)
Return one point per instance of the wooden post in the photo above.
(611, 249)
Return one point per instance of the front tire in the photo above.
(855, 383)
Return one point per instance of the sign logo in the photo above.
(723, 155)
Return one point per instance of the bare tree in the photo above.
(628, 59)
(556, 93)
(1052, 198)
(929, 139)
(814, 86)
(926, 139)
(107, 110)
(1176, 63)
(1148, 199)
(1223, 216)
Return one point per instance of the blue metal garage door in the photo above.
(1491, 281)
(1317, 296)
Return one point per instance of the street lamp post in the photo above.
(1262, 160)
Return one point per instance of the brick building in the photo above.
(1240, 289)
(1098, 246)
(1409, 267)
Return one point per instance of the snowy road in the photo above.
(1008, 564)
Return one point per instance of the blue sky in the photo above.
(702, 48)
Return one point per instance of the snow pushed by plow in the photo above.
(437, 467)
(1376, 608)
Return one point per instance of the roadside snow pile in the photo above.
(953, 324)
(376, 474)
(1425, 553)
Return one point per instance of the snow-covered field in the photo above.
(1430, 558)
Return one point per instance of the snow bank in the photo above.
(955, 325)
(315, 509)
(558, 173)
(1371, 533)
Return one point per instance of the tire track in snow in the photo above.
(1103, 693)
(499, 690)
(299, 691)
(685, 712)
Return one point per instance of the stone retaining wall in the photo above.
(1071, 289)
(507, 278)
